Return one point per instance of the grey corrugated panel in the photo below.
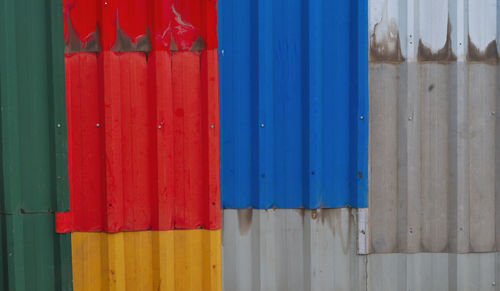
(291, 249)
(307, 250)
(434, 140)
(434, 271)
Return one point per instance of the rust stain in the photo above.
(124, 43)
(443, 55)
(489, 55)
(385, 44)
(244, 220)
(72, 42)
(333, 218)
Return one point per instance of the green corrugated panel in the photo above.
(33, 162)
(32, 100)
(32, 255)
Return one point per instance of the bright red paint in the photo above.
(143, 138)
(181, 20)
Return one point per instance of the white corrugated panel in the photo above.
(308, 250)
(434, 141)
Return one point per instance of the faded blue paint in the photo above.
(293, 88)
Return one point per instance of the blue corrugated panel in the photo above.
(294, 103)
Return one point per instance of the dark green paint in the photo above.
(33, 151)
(32, 255)
(32, 99)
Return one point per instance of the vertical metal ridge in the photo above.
(437, 111)
(149, 260)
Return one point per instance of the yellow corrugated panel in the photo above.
(174, 260)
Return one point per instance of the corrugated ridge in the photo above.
(147, 260)
(33, 119)
(32, 255)
(291, 249)
(293, 103)
(143, 141)
(434, 128)
(315, 250)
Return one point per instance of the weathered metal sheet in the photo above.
(32, 255)
(291, 249)
(147, 260)
(297, 250)
(434, 140)
(32, 101)
(144, 123)
(293, 85)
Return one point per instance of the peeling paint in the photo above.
(73, 43)
(445, 54)
(385, 43)
(124, 43)
(489, 55)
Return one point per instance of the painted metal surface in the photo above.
(297, 250)
(143, 116)
(32, 255)
(147, 260)
(434, 125)
(294, 102)
(33, 120)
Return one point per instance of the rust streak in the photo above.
(489, 55)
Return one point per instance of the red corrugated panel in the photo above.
(143, 135)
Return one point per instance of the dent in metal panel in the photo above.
(433, 131)
(293, 103)
(147, 260)
(285, 249)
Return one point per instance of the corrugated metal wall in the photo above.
(293, 103)
(142, 81)
(315, 250)
(33, 147)
(434, 147)
(178, 260)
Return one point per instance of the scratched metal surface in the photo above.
(315, 250)
(434, 140)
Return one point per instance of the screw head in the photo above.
(59, 125)
(97, 125)
(159, 126)
(361, 117)
(410, 118)
(212, 126)
(262, 125)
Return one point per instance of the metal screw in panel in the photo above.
(262, 125)
(493, 283)
(212, 126)
(159, 126)
(493, 113)
(59, 125)
(361, 117)
(222, 52)
(105, 3)
(410, 118)
(97, 124)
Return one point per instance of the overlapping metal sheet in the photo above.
(33, 164)
(293, 86)
(32, 100)
(434, 146)
(315, 250)
(142, 81)
(147, 260)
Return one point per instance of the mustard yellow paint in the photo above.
(176, 260)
